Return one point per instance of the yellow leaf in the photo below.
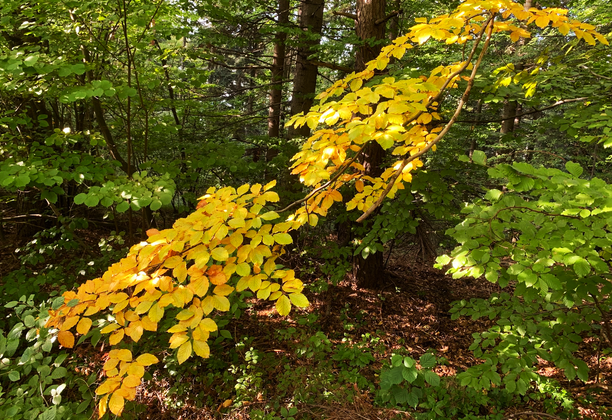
(208, 324)
(313, 219)
(136, 369)
(207, 305)
(425, 118)
(83, 326)
(299, 300)
(184, 352)
(143, 307)
(156, 313)
(589, 38)
(124, 355)
(220, 254)
(243, 269)
(116, 337)
(283, 305)
(184, 315)
(221, 303)
(66, 339)
(132, 381)
(542, 21)
(201, 349)
(382, 62)
(102, 406)
(564, 28)
(146, 359)
(110, 364)
(135, 330)
(255, 283)
(107, 386)
(356, 84)
(180, 272)
(255, 189)
(601, 38)
(223, 290)
(116, 404)
(283, 238)
(177, 339)
(173, 261)
(242, 189)
(129, 393)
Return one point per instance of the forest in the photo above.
(314, 209)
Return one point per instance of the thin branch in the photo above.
(331, 66)
(386, 18)
(556, 104)
(345, 14)
(533, 413)
(227, 66)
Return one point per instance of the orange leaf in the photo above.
(66, 339)
(83, 326)
(69, 323)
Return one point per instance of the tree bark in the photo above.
(305, 81)
(369, 272)
(278, 69)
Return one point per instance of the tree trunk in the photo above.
(305, 81)
(369, 272)
(278, 69)
(510, 107)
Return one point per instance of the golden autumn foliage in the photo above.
(233, 239)
(397, 113)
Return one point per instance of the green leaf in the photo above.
(493, 195)
(393, 376)
(409, 373)
(14, 375)
(123, 207)
(59, 372)
(156, 204)
(574, 168)
(92, 201)
(428, 360)
(431, 378)
(479, 158)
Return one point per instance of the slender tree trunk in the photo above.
(305, 81)
(510, 107)
(278, 69)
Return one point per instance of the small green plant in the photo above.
(34, 378)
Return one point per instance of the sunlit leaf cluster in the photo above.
(187, 273)
(397, 113)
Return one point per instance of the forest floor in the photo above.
(409, 316)
(325, 360)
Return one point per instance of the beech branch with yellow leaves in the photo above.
(231, 242)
